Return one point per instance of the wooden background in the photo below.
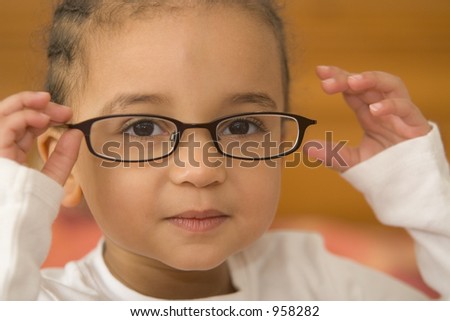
(410, 38)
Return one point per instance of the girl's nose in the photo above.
(197, 161)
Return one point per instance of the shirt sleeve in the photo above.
(408, 186)
(29, 203)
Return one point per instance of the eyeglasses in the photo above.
(142, 138)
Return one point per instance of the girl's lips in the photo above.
(198, 221)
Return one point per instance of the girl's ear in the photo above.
(73, 194)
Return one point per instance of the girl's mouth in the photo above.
(199, 221)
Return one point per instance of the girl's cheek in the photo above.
(262, 181)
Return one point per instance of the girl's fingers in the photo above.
(39, 101)
(326, 72)
(411, 122)
(28, 99)
(383, 107)
(388, 84)
(333, 86)
(59, 114)
(61, 161)
(25, 116)
(13, 127)
(333, 155)
(26, 142)
(336, 80)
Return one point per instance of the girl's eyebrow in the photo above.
(121, 101)
(257, 98)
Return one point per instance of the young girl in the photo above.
(181, 105)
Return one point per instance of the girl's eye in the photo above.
(242, 127)
(143, 128)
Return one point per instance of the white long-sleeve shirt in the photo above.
(407, 185)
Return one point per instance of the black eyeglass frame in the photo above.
(302, 122)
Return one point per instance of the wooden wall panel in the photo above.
(410, 38)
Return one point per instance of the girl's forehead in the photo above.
(201, 36)
(193, 56)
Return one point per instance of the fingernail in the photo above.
(44, 116)
(376, 107)
(356, 77)
(329, 81)
(62, 106)
(323, 68)
(41, 94)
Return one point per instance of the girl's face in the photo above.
(185, 66)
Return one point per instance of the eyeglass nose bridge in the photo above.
(182, 127)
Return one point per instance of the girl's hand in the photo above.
(25, 116)
(383, 108)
